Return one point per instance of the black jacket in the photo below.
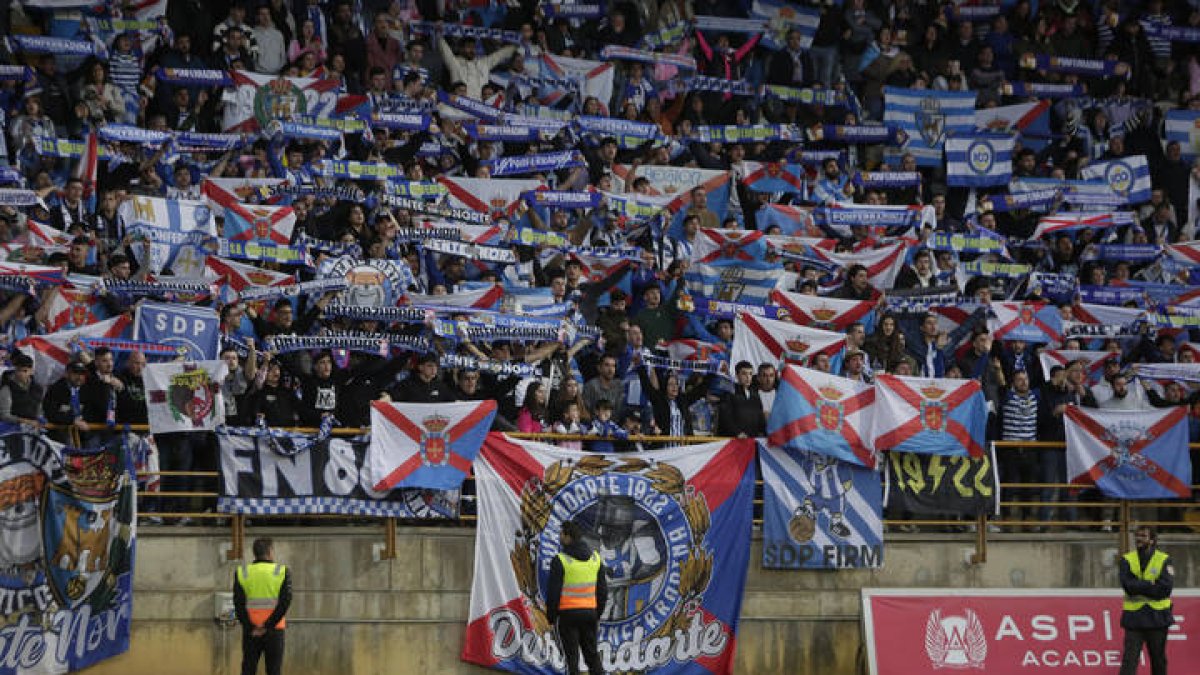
(93, 401)
(131, 401)
(414, 390)
(278, 404)
(578, 550)
(742, 413)
(1160, 589)
(662, 406)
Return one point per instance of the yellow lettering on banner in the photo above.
(964, 465)
(985, 468)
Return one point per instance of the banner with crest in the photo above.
(185, 396)
(672, 525)
(66, 577)
(283, 473)
(257, 99)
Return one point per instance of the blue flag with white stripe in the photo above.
(1128, 177)
(928, 118)
(781, 17)
(1184, 126)
(750, 282)
(819, 512)
(980, 160)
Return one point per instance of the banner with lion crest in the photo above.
(185, 395)
(66, 554)
(668, 524)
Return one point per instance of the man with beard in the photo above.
(1148, 577)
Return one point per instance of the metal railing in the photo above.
(1121, 522)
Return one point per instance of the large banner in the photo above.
(930, 631)
(66, 555)
(672, 525)
(820, 513)
(938, 485)
(264, 475)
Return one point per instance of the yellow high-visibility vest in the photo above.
(1153, 570)
(579, 582)
(261, 582)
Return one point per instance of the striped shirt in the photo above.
(125, 71)
(1160, 46)
(1020, 414)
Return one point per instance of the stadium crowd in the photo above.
(406, 56)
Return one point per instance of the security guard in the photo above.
(262, 592)
(1147, 577)
(575, 598)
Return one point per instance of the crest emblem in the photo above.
(794, 351)
(980, 157)
(830, 414)
(1026, 314)
(933, 415)
(1119, 177)
(262, 225)
(931, 121)
(192, 395)
(279, 99)
(774, 169)
(823, 317)
(434, 440)
(80, 312)
(955, 641)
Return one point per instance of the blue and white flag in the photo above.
(819, 512)
(781, 17)
(748, 283)
(1130, 454)
(16, 74)
(980, 160)
(1128, 177)
(928, 117)
(1183, 126)
(195, 331)
(177, 229)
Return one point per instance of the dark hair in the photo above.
(742, 365)
(1150, 530)
(21, 360)
(101, 351)
(262, 547)
(572, 530)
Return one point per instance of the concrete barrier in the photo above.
(355, 616)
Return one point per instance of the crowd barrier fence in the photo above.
(1124, 513)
